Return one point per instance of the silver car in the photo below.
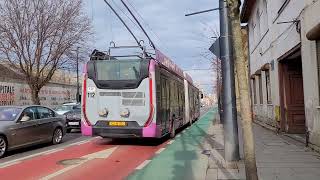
(29, 125)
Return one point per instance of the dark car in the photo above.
(29, 125)
(73, 118)
(66, 107)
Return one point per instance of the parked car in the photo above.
(67, 107)
(29, 125)
(73, 118)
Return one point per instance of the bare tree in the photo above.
(38, 37)
(243, 85)
(216, 66)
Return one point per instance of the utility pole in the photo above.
(231, 140)
(78, 86)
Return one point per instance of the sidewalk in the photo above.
(197, 154)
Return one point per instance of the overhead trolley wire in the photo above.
(134, 23)
(115, 12)
(151, 43)
(146, 23)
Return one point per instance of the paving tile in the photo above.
(212, 174)
(231, 174)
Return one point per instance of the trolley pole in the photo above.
(231, 140)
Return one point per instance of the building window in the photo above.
(268, 85)
(260, 89)
(254, 91)
(318, 59)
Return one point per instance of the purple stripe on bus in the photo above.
(152, 66)
(84, 68)
(149, 131)
(164, 60)
(85, 129)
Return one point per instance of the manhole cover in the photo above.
(68, 162)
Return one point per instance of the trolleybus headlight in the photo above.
(125, 113)
(104, 112)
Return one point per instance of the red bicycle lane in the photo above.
(39, 166)
(122, 161)
(119, 165)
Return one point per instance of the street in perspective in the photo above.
(163, 90)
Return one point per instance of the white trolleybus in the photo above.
(136, 96)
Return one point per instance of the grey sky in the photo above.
(183, 39)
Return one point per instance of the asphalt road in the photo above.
(104, 154)
(68, 139)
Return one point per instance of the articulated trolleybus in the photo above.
(136, 96)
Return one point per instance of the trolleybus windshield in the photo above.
(118, 74)
(118, 70)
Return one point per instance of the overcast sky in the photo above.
(184, 39)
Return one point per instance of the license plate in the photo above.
(117, 123)
(74, 123)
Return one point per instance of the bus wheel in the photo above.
(173, 131)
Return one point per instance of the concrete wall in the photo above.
(12, 93)
(15, 91)
(309, 19)
(269, 41)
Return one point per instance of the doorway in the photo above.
(292, 94)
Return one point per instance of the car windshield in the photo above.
(9, 113)
(64, 108)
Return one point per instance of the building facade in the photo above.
(284, 56)
(14, 90)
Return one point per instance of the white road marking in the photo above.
(19, 160)
(61, 171)
(142, 165)
(16, 161)
(160, 150)
(3, 165)
(52, 151)
(79, 143)
(170, 142)
(97, 155)
(83, 142)
(101, 154)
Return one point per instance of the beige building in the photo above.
(284, 55)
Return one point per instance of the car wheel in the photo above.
(173, 131)
(57, 136)
(3, 146)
